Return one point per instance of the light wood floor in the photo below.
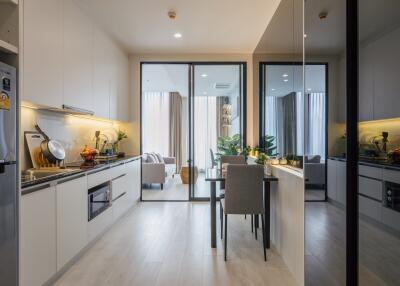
(169, 244)
(175, 190)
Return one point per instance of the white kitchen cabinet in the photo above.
(72, 219)
(133, 180)
(386, 76)
(42, 60)
(341, 182)
(101, 74)
(370, 208)
(366, 84)
(38, 237)
(331, 184)
(77, 56)
(120, 202)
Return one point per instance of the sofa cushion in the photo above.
(313, 159)
(151, 158)
(159, 157)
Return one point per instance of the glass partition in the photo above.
(379, 138)
(325, 142)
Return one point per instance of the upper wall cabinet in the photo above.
(379, 83)
(101, 74)
(42, 80)
(77, 56)
(68, 60)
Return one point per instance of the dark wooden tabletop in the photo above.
(216, 175)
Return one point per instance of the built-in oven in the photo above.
(99, 199)
(392, 196)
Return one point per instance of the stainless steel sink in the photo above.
(34, 174)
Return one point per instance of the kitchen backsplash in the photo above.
(72, 131)
(369, 129)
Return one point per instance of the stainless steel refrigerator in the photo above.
(8, 177)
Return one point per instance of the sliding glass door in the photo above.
(191, 114)
(165, 131)
(217, 118)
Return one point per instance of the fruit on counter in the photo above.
(395, 154)
(88, 154)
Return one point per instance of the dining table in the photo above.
(217, 175)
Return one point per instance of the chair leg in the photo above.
(252, 221)
(255, 225)
(226, 235)
(245, 216)
(162, 186)
(263, 236)
(221, 219)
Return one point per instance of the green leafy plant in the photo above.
(228, 145)
(120, 136)
(291, 157)
(261, 158)
(269, 145)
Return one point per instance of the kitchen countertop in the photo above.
(75, 169)
(383, 165)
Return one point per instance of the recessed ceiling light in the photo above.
(178, 35)
(308, 89)
(204, 75)
(273, 89)
(285, 75)
(305, 35)
(285, 80)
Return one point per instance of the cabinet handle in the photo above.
(120, 176)
(71, 178)
(35, 189)
(121, 195)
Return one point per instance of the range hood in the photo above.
(68, 109)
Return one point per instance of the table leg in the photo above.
(267, 208)
(213, 216)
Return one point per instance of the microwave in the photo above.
(99, 200)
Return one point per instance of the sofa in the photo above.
(314, 171)
(157, 169)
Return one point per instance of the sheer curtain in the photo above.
(205, 131)
(316, 124)
(155, 122)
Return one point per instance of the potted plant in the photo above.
(115, 146)
(261, 158)
(291, 158)
(269, 147)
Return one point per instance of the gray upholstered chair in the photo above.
(230, 159)
(244, 195)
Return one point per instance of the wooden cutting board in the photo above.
(33, 140)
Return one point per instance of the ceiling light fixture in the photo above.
(285, 75)
(273, 89)
(285, 80)
(308, 89)
(178, 35)
(204, 75)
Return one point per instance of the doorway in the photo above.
(190, 111)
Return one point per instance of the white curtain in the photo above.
(205, 131)
(316, 124)
(270, 115)
(300, 123)
(155, 122)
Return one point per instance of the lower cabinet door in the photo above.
(133, 180)
(72, 219)
(38, 237)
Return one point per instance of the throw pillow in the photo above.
(160, 158)
(154, 156)
(151, 158)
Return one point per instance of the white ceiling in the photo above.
(327, 36)
(174, 77)
(207, 26)
(276, 86)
